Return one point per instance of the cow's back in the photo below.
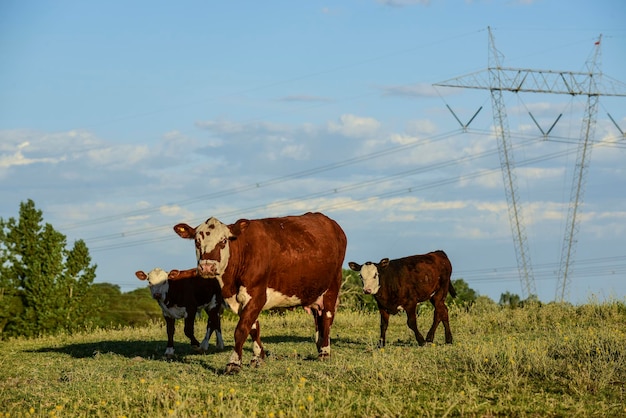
(414, 277)
(193, 291)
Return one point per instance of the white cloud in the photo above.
(17, 158)
(354, 126)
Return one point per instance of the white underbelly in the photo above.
(275, 299)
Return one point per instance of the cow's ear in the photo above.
(185, 231)
(238, 227)
(173, 274)
(383, 263)
(354, 266)
(141, 275)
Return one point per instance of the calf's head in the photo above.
(370, 274)
(157, 282)
(212, 239)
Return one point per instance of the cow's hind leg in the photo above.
(326, 318)
(440, 315)
(411, 321)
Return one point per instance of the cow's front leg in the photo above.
(257, 347)
(384, 323)
(411, 321)
(189, 328)
(247, 318)
(170, 326)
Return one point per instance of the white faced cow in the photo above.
(272, 263)
(181, 294)
(405, 282)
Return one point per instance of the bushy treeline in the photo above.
(46, 288)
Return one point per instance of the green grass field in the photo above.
(551, 360)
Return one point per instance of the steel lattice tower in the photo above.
(498, 79)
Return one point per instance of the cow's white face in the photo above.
(159, 286)
(370, 278)
(212, 248)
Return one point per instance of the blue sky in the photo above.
(121, 119)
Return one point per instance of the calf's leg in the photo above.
(411, 321)
(384, 323)
(213, 325)
(189, 327)
(170, 326)
(440, 315)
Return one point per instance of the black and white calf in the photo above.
(182, 294)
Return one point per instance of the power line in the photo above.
(335, 191)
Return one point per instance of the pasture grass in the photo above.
(550, 360)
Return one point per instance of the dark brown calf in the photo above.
(404, 283)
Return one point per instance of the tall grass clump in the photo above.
(538, 360)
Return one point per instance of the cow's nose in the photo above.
(367, 291)
(157, 296)
(207, 269)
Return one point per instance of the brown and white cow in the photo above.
(182, 294)
(272, 263)
(405, 282)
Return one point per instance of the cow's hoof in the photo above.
(232, 368)
(197, 349)
(323, 356)
(256, 362)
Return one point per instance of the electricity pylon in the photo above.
(498, 79)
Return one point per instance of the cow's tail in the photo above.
(451, 290)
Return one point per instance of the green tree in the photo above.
(509, 299)
(52, 282)
(465, 295)
(124, 309)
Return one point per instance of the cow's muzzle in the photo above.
(207, 270)
(367, 291)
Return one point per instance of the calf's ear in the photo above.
(173, 274)
(354, 266)
(185, 231)
(141, 275)
(383, 263)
